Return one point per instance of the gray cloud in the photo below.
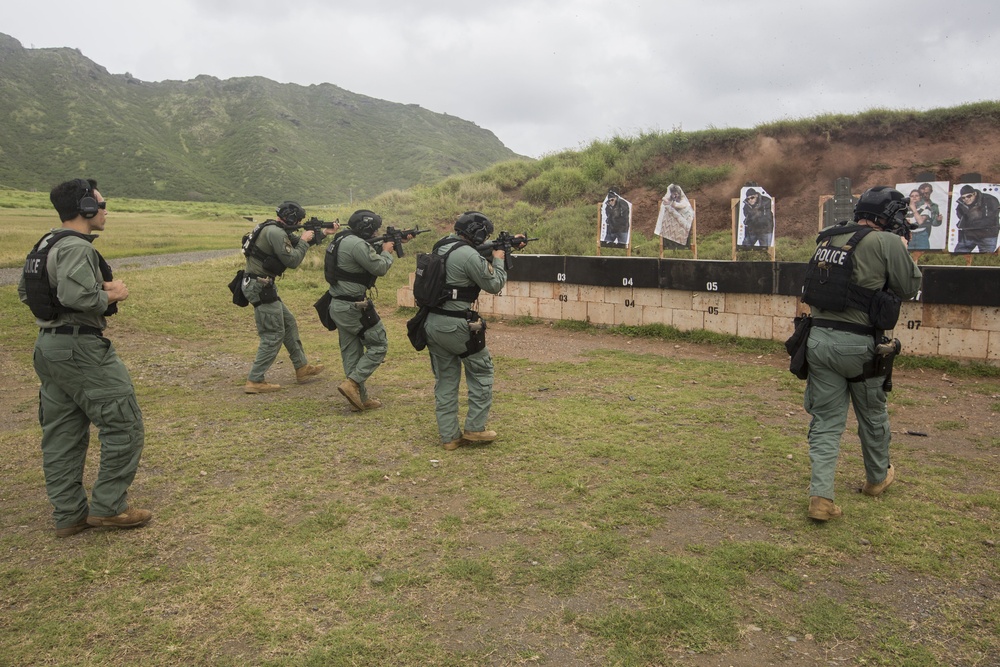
(550, 76)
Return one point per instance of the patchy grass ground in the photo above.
(644, 505)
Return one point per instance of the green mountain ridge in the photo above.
(236, 140)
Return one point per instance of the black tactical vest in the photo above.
(828, 277)
(270, 263)
(42, 298)
(332, 271)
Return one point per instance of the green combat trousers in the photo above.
(446, 340)
(833, 357)
(83, 383)
(276, 326)
(361, 353)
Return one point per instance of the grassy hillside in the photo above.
(238, 140)
(556, 198)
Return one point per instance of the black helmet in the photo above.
(474, 226)
(290, 212)
(882, 205)
(365, 223)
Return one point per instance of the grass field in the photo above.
(638, 509)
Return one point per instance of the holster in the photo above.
(369, 317)
(477, 334)
(268, 292)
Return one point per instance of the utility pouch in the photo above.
(415, 329)
(273, 265)
(477, 334)
(883, 310)
(796, 347)
(322, 307)
(236, 287)
(369, 317)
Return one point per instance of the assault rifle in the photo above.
(314, 225)
(397, 237)
(506, 242)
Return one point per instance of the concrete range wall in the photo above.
(957, 313)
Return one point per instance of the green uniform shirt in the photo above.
(75, 275)
(881, 258)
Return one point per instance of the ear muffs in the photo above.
(475, 226)
(88, 205)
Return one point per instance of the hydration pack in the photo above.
(430, 287)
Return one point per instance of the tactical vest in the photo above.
(270, 263)
(332, 271)
(828, 277)
(42, 298)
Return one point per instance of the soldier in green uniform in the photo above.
(351, 267)
(273, 249)
(71, 291)
(456, 334)
(842, 344)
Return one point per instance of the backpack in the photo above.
(430, 288)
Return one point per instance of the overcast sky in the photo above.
(550, 75)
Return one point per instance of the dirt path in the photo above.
(11, 276)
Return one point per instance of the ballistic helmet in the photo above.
(290, 212)
(365, 223)
(474, 226)
(883, 205)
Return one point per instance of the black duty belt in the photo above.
(352, 299)
(72, 329)
(844, 326)
(449, 313)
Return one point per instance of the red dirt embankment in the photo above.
(798, 169)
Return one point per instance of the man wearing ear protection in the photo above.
(853, 269)
(71, 292)
(271, 250)
(351, 268)
(456, 335)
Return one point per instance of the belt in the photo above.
(73, 330)
(449, 313)
(352, 299)
(851, 327)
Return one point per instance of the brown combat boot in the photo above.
(308, 372)
(823, 509)
(875, 490)
(130, 518)
(370, 404)
(479, 436)
(260, 387)
(77, 527)
(352, 392)
(454, 444)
